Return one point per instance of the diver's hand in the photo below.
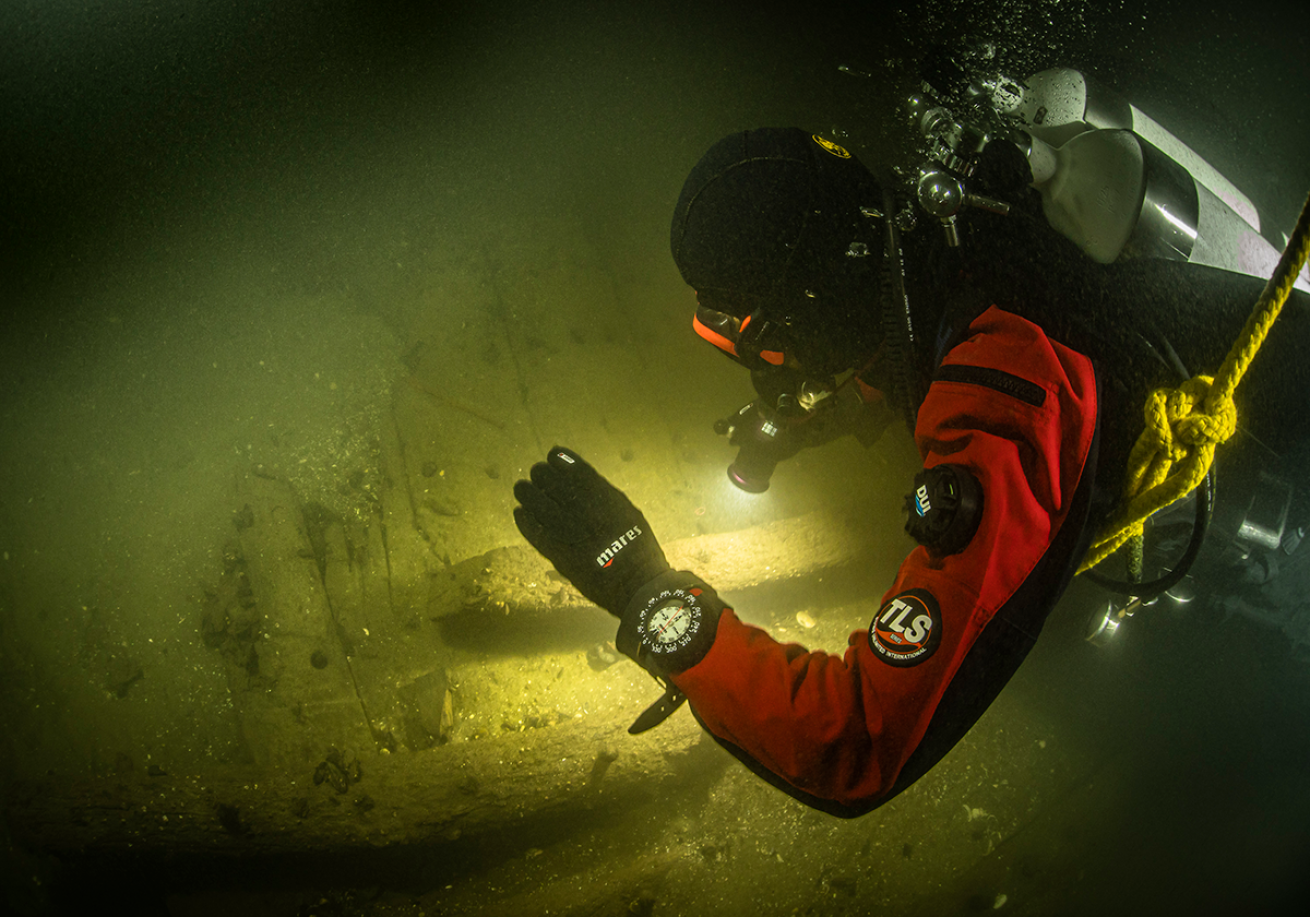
(588, 529)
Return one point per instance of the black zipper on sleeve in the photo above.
(997, 379)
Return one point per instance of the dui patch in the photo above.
(907, 628)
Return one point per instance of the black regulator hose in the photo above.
(1156, 587)
(897, 321)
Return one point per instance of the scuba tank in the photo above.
(1111, 179)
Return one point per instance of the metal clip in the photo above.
(1103, 625)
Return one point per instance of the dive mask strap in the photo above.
(754, 349)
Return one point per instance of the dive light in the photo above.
(762, 440)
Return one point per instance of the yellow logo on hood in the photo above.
(831, 147)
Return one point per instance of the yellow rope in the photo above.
(1186, 424)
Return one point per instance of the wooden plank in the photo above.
(350, 578)
(516, 581)
(398, 669)
(775, 552)
(431, 796)
(408, 555)
(299, 699)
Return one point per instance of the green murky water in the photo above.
(296, 241)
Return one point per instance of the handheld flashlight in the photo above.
(762, 440)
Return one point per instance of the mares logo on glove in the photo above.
(907, 629)
(606, 557)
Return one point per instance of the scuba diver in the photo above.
(1020, 365)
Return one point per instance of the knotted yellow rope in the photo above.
(1184, 425)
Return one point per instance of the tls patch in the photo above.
(907, 629)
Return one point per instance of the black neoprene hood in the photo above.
(771, 218)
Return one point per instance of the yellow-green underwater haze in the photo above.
(293, 293)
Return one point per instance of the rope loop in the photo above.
(1184, 425)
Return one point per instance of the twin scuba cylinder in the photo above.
(1111, 179)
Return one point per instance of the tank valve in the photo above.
(943, 195)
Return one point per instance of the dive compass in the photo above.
(670, 620)
(665, 631)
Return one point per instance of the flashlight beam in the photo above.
(518, 580)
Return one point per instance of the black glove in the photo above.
(588, 529)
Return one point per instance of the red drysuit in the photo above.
(1016, 409)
